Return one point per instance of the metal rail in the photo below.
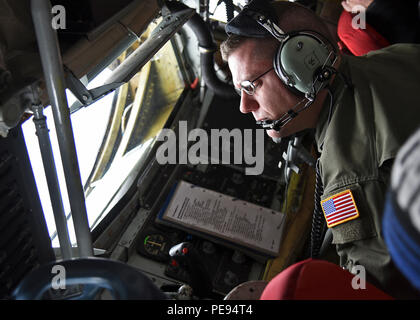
(54, 79)
(163, 33)
(52, 180)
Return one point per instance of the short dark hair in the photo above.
(234, 41)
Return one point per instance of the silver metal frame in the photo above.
(54, 79)
(163, 33)
(52, 180)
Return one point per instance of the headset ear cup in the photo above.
(299, 60)
(278, 68)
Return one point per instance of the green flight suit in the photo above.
(369, 121)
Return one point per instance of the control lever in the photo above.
(187, 257)
(295, 155)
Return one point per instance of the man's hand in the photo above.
(351, 5)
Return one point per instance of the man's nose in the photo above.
(248, 103)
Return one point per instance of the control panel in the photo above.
(208, 267)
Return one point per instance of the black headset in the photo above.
(304, 60)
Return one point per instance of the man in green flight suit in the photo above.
(361, 108)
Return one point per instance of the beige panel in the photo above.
(136, 19)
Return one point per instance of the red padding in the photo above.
(359, 41)
(318, 280)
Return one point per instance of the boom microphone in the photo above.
(276, 125)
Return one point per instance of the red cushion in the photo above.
(359, 41)
(318, 280)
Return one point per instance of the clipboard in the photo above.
(236, 223)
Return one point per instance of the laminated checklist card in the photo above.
(221, 217)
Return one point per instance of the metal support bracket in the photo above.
(86, 97)
(170, 24)
(161, 34)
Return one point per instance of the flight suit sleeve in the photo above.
(368, 205)
(369, 197)
(360, 241)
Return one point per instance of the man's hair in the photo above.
(262, 49)
(291, 17)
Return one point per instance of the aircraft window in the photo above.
(114, 135)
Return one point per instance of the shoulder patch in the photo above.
(339, 208)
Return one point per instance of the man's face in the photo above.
(271, 99)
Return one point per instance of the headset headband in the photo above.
(268, 24)
(245, 23)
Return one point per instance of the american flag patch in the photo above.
(339, 208)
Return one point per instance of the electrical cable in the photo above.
(318, 221)
(318, 228)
